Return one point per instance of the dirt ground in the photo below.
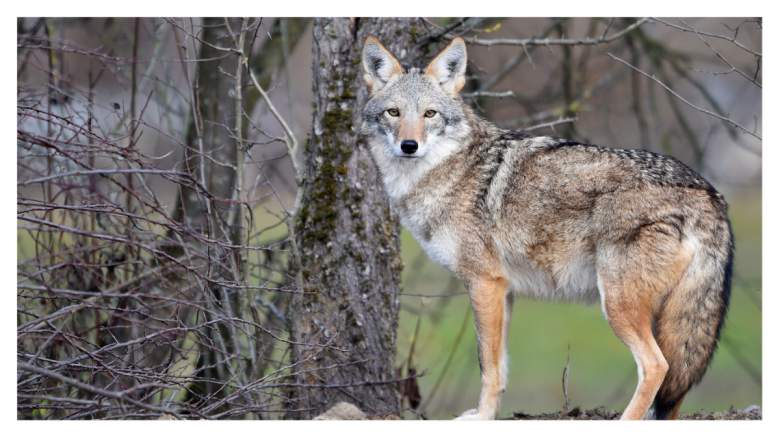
(347, 411)
(749, 413)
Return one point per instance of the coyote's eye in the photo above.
(430, 113)
(394, 112)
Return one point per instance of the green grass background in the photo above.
(601, 369)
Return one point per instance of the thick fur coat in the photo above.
(639, 232)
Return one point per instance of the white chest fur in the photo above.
(440, 244)
(402, 178)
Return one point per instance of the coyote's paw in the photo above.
(471, 414)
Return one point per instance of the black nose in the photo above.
(409, 146)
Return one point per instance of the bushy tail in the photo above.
(688, 327)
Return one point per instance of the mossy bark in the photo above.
(344, 322)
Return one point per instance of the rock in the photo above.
(342, 411)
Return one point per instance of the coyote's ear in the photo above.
(379, 64)
(449, 66)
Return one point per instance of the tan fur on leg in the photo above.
(504, 362)
(652, 369)
(634, 281)
(631, 320)
(488, 300)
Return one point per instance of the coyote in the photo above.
(508, 212)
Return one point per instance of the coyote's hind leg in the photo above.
(633, 325)
(634, 280)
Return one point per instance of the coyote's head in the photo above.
(414, 114)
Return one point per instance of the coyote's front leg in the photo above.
(491, 306)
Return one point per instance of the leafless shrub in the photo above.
(128, 308)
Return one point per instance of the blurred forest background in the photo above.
(164, 163)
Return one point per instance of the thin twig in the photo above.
(99, 391)
(686, 101)
(551, 124)
(535, 41)
(292, 143)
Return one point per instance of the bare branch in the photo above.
(732, 39)
(551, 124)
(684, 100)
(534, 41)
(99, 391)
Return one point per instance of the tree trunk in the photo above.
(214, 157)
(344, 323)
(210, 135)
